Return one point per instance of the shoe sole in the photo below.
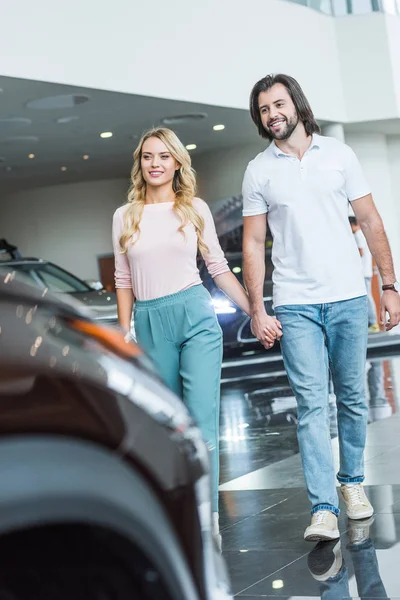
(361, 516)
(322, 537)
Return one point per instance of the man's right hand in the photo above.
(266, 329)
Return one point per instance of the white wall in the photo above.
(393, 32)
(394, 165)
(368, 66)
(201, 51)
(374, 155)
(69, 225)
(207, 51)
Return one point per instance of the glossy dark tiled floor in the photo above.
(264, 507)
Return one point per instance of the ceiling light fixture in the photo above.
(180, 119)
(218, 127)
(31, 156)
(191, 147)
(63, 168)
(106, 134)
(63, 120)
(85, 156)
(57, 102)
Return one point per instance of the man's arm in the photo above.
(254, 234)
(265, 328)
(372, 226)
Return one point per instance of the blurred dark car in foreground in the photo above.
(105, 490)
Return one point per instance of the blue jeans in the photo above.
(316, 338)
(366, 570)
(372, 317)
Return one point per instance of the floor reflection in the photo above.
(328, 567)
(250, 420)
(264, 507)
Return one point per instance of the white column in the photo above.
(377, 162)
(334, 130)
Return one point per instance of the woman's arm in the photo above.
(216, 263)
(125, 299)
(231, 287)
(123, 280)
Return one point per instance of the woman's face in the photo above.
(157, 163)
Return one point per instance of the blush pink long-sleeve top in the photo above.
(163, 261)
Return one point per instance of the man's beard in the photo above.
(286, 130)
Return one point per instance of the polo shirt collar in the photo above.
(315, 143)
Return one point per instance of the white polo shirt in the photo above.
(314, 255)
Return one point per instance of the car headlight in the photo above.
(223, 306)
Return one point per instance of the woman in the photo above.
(156, 236)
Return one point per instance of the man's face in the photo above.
(278, 113)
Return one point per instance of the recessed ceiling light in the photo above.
(218, 127)
(63, 168)
(106, 134)
(277, 584)
(31, 156)
(13, 123)
(191, 147)
(63, 120)
(85, 156)
(20, 139)
(57, 102)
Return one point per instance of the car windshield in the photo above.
(44, 275)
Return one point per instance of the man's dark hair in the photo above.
(300, 102)
(353, 221)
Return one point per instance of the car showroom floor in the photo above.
(264, 508)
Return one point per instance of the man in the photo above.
(302, 183)
(366, 261)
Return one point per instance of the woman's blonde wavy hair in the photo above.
(184, 186)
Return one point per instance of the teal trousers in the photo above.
(182, 336)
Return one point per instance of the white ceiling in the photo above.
(63, 145)
(127, 116)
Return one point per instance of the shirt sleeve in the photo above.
(356, 184)
(214, 259)
(122, 273)
(254, 202)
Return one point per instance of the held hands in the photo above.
(266, 329)
(390, 303)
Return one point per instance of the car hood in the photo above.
(102, 304)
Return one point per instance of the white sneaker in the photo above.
(357, 504)
(324, 526)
